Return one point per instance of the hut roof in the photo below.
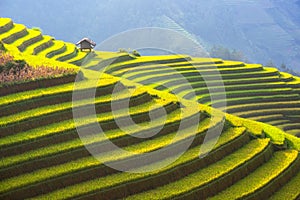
(86, 39)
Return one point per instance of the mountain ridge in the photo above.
(272, 33)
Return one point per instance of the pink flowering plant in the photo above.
(13, 71)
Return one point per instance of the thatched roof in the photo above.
(87, 40)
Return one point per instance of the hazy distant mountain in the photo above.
(263, 30)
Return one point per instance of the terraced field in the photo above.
(45, 157)
(33, 42)
(247, 90)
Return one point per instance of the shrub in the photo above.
(37, 29)
(136, 53)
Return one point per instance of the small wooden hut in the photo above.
(86, 44)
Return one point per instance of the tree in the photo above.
(37, 29)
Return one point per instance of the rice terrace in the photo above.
(166, 113)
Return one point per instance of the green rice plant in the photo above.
(206, 175)
(261, 130)
(46, 173)
(295, 82)
(239, 101)
(286, 77)
(191, 155)
(227, 84)
(278, 122)
(57, 127)
(275, 134)
(4, 21)
(78, 58)
(289, 190)
(70, 52)
(170, 77)
(231, 89)
(40, 132)
(68, 167)
(292, 141)
(205, 64)
(173, 117)
(160, 69)
(107, 80)
(37, 133)
(32, 49)
(290, 125)
(255, 94)
(32, 122)
(251, 90)
(148, 60)
(101, 56)
(28, 95)
(25, 41)
(294, 132)
(260, 177)
(16, 32)
(267, 118)
(200, 61)
(228, 68)
(33, 60)
(242, 93)
(287, 125)
(258, 112)
(39, 112)
(57, 47)
(110, 135)
(197, 82)
(262, 105)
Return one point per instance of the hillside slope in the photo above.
(250, 91)
(51, 147)
(272, 33)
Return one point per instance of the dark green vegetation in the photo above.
(42, 156)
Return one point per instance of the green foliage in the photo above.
(37, 29)
(136, 53)
(128, 51)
